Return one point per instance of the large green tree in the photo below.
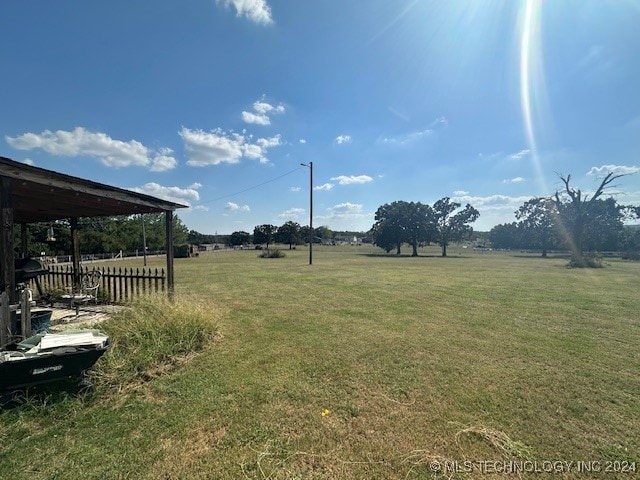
(537, 219)
(403, 222)
(288, 233)
(239, 238)
(452, 225)
(506, 236)
(388, 231)
(264, 234)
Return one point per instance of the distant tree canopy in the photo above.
(264, 234)
(237, 239)
(289, 233)
(103, 235)
(537, 218)
(415, 223)
(570, 220)
(452, 225)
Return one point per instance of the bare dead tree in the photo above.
(576, 212)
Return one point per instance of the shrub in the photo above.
(275, 253)
(586, 261)
(152, 334)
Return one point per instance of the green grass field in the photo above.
(365, 366)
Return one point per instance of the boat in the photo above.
(49, 357)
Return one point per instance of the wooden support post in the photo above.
(75, 254)
(5, 319)
(7, 265)
(169, 224)
(25, 314)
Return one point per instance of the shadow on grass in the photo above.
(540, 257)
(47, 395)
(393, 255)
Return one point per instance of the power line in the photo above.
(251, 188)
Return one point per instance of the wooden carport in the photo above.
(30, 194)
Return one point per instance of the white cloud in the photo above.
(217, 146)
(262, 111)
(256, 118)
(324, 187)
(460, 193)
(303, 141)
(520, 155)
(342, 213)
(352, 179)
(258, 11)
(340, 139)
(292, 213)
(81, 142)
(616, 169)
(201, 208)
(513, 180)
(492, 202)
(172, 194)
(269, 142)
(234, 207)
(163, 161)
(407, 138)
(28, 161)
(295, 189)
(195, 186)
(347, 207)
(263, 107)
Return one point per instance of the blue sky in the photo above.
(215, 104)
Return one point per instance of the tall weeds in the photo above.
(151, 335)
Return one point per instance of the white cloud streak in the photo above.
(352, 179)
(341, 139)
(407, 138)
(258, 11)
(292, 214)
(493, 202)
(520, 155)
(615, 169)
(514, 180)
(81, 142)
(324, 187)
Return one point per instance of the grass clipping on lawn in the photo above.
(153, 335)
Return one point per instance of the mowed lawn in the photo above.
(365, 365)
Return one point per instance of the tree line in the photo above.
(573, 220)
(290, 233)
(102, 235)
(417, 224)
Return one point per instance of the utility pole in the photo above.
(310, 165)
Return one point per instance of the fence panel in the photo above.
(117, 285)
